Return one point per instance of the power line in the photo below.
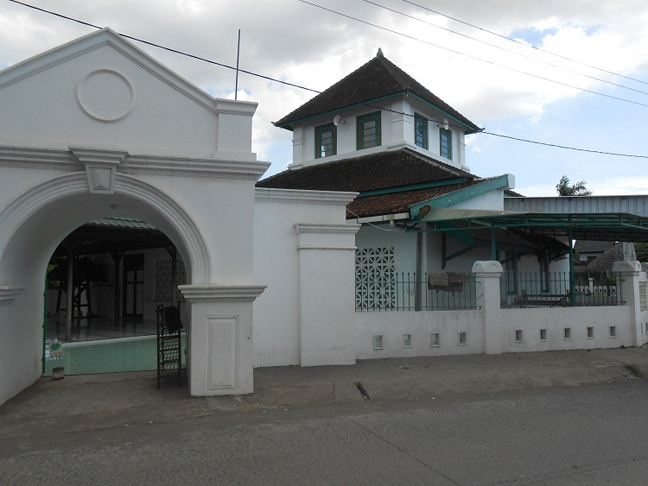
(495, 46)
(519, 71)
(523, 44)
(209, 61)
(293, 85)
(169, 49)
(565, 147)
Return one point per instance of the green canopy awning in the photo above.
(588, 226)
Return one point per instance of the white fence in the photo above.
(493, 329)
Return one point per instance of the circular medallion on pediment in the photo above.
(105, 95)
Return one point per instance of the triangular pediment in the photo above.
(96, 40)
(101, 90)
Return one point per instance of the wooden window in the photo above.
(325, 140)
(446, 143)
(421, 131)
(369, 131)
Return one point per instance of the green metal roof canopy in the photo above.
(587, 226)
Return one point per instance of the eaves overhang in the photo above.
(470, 127)
(419, 211)
(413, 187)
(289, 124)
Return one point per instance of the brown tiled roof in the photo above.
(397, 170)
(371, 172)
(398, 202)
(376, 79)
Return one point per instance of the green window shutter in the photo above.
(325, 140)
(446, 143)
(368, 131)
(421, 131)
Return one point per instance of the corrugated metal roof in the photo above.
(637, 205)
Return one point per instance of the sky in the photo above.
(575, 74)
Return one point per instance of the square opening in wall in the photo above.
(435, 339)
(613, 333)
(590, 332)
(377, 342)
(543, 334)
(407, 340)
(567, 332)
(518, 335)
(463, 338)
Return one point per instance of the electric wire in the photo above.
(454, 51)
(495, 46)
(169, 49)
(293, 85)
(526, 45)
(565, 147)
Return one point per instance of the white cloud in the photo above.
(290, 40)
(619, 185)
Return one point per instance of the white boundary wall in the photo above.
(492, 330)
(304, 251)
(566, 328)
(394, 326)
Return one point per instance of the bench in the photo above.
(550, 300)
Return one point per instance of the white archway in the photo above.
(32, 227)
(139, 198)
(171, 155)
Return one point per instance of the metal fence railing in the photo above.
(391, 291)
(553, 289)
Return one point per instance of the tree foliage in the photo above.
(565, 188)
(642, 251)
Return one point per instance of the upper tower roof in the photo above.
(379, 78)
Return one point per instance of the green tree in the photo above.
(564, 188)
(642, 251)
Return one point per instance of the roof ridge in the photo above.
(397, 73)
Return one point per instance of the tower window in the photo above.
(325, 140)
(421, 131)
(446, 143)
(369, 131)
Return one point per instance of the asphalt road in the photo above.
(576, 436)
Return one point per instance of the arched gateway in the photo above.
(104, 130)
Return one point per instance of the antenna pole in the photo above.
(238, 55)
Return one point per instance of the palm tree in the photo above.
(564, 188)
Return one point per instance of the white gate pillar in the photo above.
(488, 274)
(219, 338)
(629, 288)
(326, 293)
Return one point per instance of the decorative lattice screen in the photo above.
(163, 278)
(375, 278)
